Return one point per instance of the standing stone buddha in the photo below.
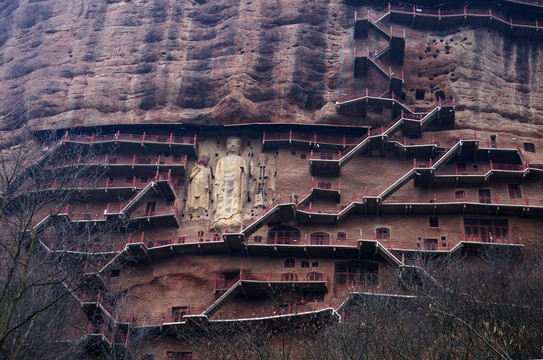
(230, 187)
(200, 183)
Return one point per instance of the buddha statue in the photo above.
(199, 187)
(229, 187)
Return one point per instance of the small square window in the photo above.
(178, 312)
(257, 239)
(290, 263)
(430, 244)
(460, 194)
(293, 153)
(514, 191)
(433, 221)
(305, 264)
(529, 147)
(484, 196)
(315, 264)
(461, 166)
(303, 156)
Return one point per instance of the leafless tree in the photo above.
(484, 305)
(40, 267)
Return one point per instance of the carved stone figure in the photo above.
(200, 183)
(262, 179)
(230, 187)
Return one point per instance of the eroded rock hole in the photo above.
(440, 95)
(419, 94)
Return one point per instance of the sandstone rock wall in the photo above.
(68, 63)
(93, 62)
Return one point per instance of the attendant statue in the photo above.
(200, 183)
(229, 187)
(262, 181)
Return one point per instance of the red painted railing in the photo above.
(159, 210)
(54, 243)
(492, 239)
(467, 11)
(257, 239)
(263, 312)
(287, 276)
(107, 183)
(165, 176)
(355, 144)
(144, 321)
(261, 214)
(508, 167)
(444, 199)
(366, 93)
(325, 185)
(313, 138)
(387, 95)
(173, 240)
(325, 155)
(319, 210)
(380, 51)
(169, 138)
(95, 298)
(132, 160)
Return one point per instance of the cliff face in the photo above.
(495, 79)
(65, 63)
(68, 63)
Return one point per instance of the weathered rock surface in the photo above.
(66, 63)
